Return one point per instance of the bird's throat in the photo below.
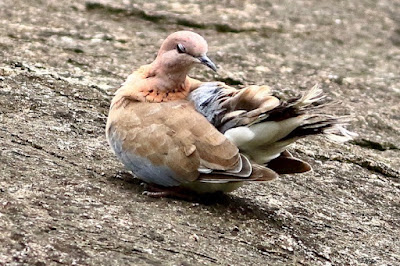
(166, 84)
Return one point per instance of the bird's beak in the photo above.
(207, 61)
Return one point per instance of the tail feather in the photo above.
(313, 108)
(288, 165)
(313, 128)
(315, 94)
(339, 134)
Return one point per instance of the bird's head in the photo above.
(184, 49)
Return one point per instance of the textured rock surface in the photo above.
(64, 198)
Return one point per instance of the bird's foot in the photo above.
(155, 191)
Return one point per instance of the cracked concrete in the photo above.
(65, 199)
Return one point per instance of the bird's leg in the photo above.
(156, 191)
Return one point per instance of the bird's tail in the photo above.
(261, 125)
(266, 137)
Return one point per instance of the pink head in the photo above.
(182, 50)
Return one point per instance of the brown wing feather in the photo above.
(259, 173)
(226, 107)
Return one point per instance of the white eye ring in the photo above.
(180, 48)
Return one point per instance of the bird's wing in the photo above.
(226, 107)
(170, 143)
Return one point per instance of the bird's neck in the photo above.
(168, 77)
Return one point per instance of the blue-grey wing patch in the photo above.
(207, 100)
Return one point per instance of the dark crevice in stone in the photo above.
(175, 19)
(56, 76)
(19, 140)
(374, 145)
(112, 10)
(229, 80)
(22, 141)
(370, 165)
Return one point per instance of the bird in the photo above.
(186, 137)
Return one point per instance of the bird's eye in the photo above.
(180, 48)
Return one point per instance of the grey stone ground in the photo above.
(65, 199)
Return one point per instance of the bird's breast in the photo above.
(150, 139)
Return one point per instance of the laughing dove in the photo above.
(173, 131)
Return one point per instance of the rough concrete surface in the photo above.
(65, 199)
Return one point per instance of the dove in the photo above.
(182, 136)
